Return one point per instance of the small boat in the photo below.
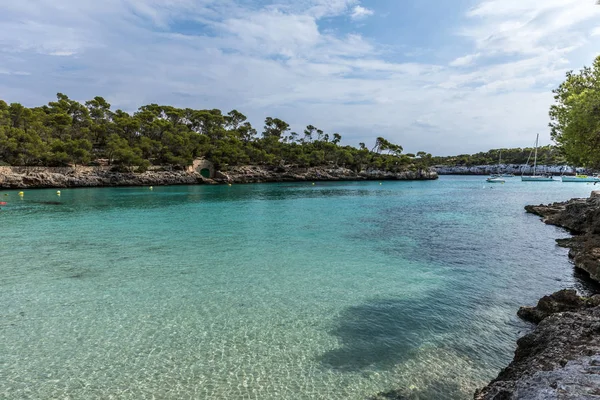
(534, 177)
(495, 179)
(537, 178)
(580, 178)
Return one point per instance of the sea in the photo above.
(312, 290)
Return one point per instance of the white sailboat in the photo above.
(580, 178)
(496, 178)
(534, 177)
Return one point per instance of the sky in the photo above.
(443, 76)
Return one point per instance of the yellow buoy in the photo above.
(21, 193)
(313, 184)
(58, 192)
(229, 184)
(151, 188)
(380, 183)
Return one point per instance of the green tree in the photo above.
(575, 118)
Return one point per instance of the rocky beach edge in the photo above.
(515, 169)
(46, 177)
(560, 358)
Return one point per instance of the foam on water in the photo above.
(284, 291)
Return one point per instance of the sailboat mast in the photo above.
(500, 163)
(535, 157)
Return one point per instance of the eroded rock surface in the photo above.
(582, 218)
(38, 177)
(256, 174)
(554, 361)
(560, 359)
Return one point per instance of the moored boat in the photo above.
(580, 178)
(495, 179)
(537, 178)
(534, 177)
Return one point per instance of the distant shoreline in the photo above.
(515, 169)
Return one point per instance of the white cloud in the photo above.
(528, 26)
(277, 60)
(596, 31)
(464, 61)
(323, 8)
(274, 33)
(360, 12)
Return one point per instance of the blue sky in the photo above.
(442, 76)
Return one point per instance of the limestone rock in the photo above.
(281, 173)
(23, 178)
(558, 339)
(42, 177)
(564, 300)
(582, 218)
(578, 379)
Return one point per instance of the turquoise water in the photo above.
(276, 291)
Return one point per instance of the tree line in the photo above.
(547, 155)
(66, 132)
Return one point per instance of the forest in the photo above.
(547, 155)
(66, 132)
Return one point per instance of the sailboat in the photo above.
(534, 177)
(496, 178)
(580, 178)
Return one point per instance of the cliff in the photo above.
(40, 177)
(257, 174)
(560, 359)
(45, 177)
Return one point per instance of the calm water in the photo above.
(280, 291)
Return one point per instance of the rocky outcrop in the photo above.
(559, 359)
(258, 174)
(561, 301)
(48, 178)
(39, 177)
(582, 218)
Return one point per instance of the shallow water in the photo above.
(275, 291)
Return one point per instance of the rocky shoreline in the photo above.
(257, 174)
(581, 217)
(515, 169)
(560, 359)
(39, 177)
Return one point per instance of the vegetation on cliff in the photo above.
(68, 132)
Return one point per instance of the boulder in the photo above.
(564, 300)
